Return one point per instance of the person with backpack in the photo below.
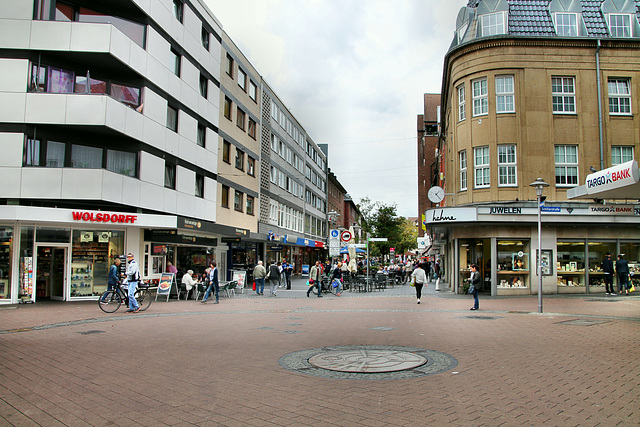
(132, 280)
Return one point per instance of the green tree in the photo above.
(381, 220)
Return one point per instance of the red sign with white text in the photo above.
(103, 217)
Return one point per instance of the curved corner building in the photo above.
(539, 89)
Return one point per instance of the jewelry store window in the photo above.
(92, 254)
(570, 267)
(597, 252)
(631, 251)
(513, 265)
(475, 251)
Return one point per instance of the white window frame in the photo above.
(564, 100)
(460, 32)
(624, 27)
(564, 164)
(274, 143)
(619, 96)
(507, 165)
(463, 170)
(505, 94)
(564, 28)
(494, 24)
(462, 103)
(480, 97)
(242, 79)
(621, 154)
(481, 167)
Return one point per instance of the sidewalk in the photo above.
(185, 363)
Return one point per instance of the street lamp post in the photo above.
(539, 184)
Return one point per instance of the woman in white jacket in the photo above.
(419, 277)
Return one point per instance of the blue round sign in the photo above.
(334, 233)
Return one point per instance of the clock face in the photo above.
(436, 194)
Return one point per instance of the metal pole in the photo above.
(539, 253)
(368, 261)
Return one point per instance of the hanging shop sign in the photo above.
(615, 177)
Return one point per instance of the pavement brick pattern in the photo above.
(183, 364)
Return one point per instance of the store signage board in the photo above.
(440, 215)
(615, 177)
(165, 284)
(612, 210)
(240, 277)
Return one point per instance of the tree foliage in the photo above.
(381, 220)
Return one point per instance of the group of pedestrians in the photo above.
(621, 270)
(278, 274)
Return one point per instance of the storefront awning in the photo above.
(617, 182)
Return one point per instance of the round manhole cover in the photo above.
(367, 360)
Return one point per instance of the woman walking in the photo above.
(419, 276)
(475, 282)
(274, 277)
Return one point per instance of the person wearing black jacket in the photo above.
(274, 277)
(607, 268)
(475, 281)
(337, 275)
(622, 268)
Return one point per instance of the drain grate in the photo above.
(582, 322)
(91, 332)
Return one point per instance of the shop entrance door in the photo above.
(51, 268)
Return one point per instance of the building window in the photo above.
(230, 65)
(253, 91)
(178, 9)
(202, 135)
(172, 118)
(86, 157)
(239, 159)
(224, 197)
(507, 166)
(226, 149)
(242, 79)
(566, 157)
(564, 94)
(274, 143)
(31, 152)
(240, 118)
(619, 25)
(618, 155)
(493, 23)
(252, 128)
(170, 176)
(460, 32)
(251, 166)
(481, 167)
(480, 103)
(227, 108)
(462, 103)
(204, 37)
(175, 63)
(505, 95)
(55, 154)
(204, 86)
(122, 162)
(619, 96)
(238, 200)
(199, 185)
(250, 204)
(463, 170)
(566, 24)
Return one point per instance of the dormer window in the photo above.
(566, 24)
(462, 31)
(619, 25)
(493, 24)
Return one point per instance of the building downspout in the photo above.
(599, 105)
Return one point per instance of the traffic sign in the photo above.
(346, 236)
(359, 245)
(378, 239)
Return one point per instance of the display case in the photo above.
(513, 273)
(89, 271)
(570, 267)
(634, 275)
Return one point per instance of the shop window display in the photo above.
(513, 264)
(631, 251)
(92, 254)
(570, 265)
(6, 238)
(597, 252)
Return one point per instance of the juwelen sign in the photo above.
(85, 216)
(614, 177)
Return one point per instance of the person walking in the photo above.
(419, 276)
(436, 274)
(113, 277)
(214, 285)
(316, 275)
(259, 274)
(274, 278)
(280, 275)
(607, 268)
(475, 280)
(287, 268)
(622, 269)
(336, 276)
(132, 279)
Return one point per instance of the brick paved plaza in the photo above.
(184, 363)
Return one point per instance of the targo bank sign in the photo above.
(613, 177)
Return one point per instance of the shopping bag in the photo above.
(254, 285)
(633, 288)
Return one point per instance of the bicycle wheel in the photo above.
(143, 296)
(109, 301)
(314, 289)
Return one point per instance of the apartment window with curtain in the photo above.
(230, 63)
(505, 95)
(226, 151)
(507, 166)
(250, 204)
(227, 108)
(240, 119)
(242, 79)
(563, 91)
(178, 10)
(202, 135)
(621, 155)
(252, 128)
(224, 197)
(566, 24)
(199, 185)
(566, 159)
(462, 103)
(238, 201)
(83, 157)
(480, 100)
(481, 169)
(251, 166)
(619, 96)
(619, 25)
(239, 159)
(175, 62)
(204, 37)
(122, 162)
(253, 91)
(463, 170)
(170, 176)
(172, 118)
(204, 86)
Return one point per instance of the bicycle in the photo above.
(110, 300)
(326, 288)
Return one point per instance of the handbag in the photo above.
(254, 285)
(471, 289)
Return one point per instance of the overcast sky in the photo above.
(353, 73)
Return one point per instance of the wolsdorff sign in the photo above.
(103, 217)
